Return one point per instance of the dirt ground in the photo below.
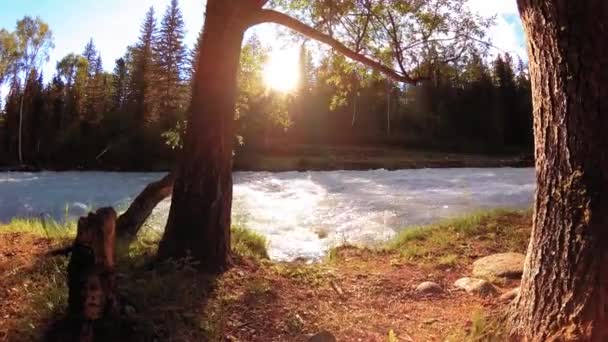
(359, 295)
(362, 297)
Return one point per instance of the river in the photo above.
(301, 213)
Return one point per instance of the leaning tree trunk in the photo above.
(131, 221)
(564, 291)
(199, 219)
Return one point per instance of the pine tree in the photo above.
(94, 90)
(142, 95)
(12, 115)
(120, 80)
(505, 103)
(55, 102)
(523, 112)
(90, 54)
(171, 60)
(194, 55)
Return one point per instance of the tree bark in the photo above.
(131, 221)
(199, 219)
(564, 290)
(91, 285)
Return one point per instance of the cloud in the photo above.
(489, 8)
(506, 34)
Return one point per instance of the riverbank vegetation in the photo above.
(355, 293)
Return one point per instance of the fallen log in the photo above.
(131, 221)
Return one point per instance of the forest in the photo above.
(132, 118)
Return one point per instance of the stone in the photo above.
(509, 295)
(428, 287)
(479, 287)
(503, 265)
(323, 336)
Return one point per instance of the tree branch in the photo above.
(270, 16)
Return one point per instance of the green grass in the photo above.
(248, 243)
(245, 242)
(39, 227)
(442, 244)
(167, 301)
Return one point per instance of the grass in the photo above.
(482, 328)
(445, 243)
(320, 157)
(166, 302)
(306, 275)
(248, 243)
(41, 228)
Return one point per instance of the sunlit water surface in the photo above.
(301, 213)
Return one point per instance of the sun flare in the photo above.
(281, 72)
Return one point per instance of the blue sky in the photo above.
(114, 24)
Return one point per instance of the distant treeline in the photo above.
(132, 118)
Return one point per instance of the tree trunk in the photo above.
(564, 291)
(131, 221)
(199, 219)
(354, 119)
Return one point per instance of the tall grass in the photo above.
(40, 227)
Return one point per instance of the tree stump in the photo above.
(91, 280)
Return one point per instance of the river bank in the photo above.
(303, 213)
(355, 293)
(322, 158)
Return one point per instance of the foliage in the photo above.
(134, 117)
(9, 54)
(396, 33)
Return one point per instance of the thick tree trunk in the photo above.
(199, 220)
(131, 221)
(564, 291)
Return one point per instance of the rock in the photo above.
(474, 286)
(430, 321)
(509, 295)
(503, 265)
(323, 336)
(428, 287)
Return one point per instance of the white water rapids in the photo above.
(301, 213)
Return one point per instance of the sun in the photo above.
(281, 71)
